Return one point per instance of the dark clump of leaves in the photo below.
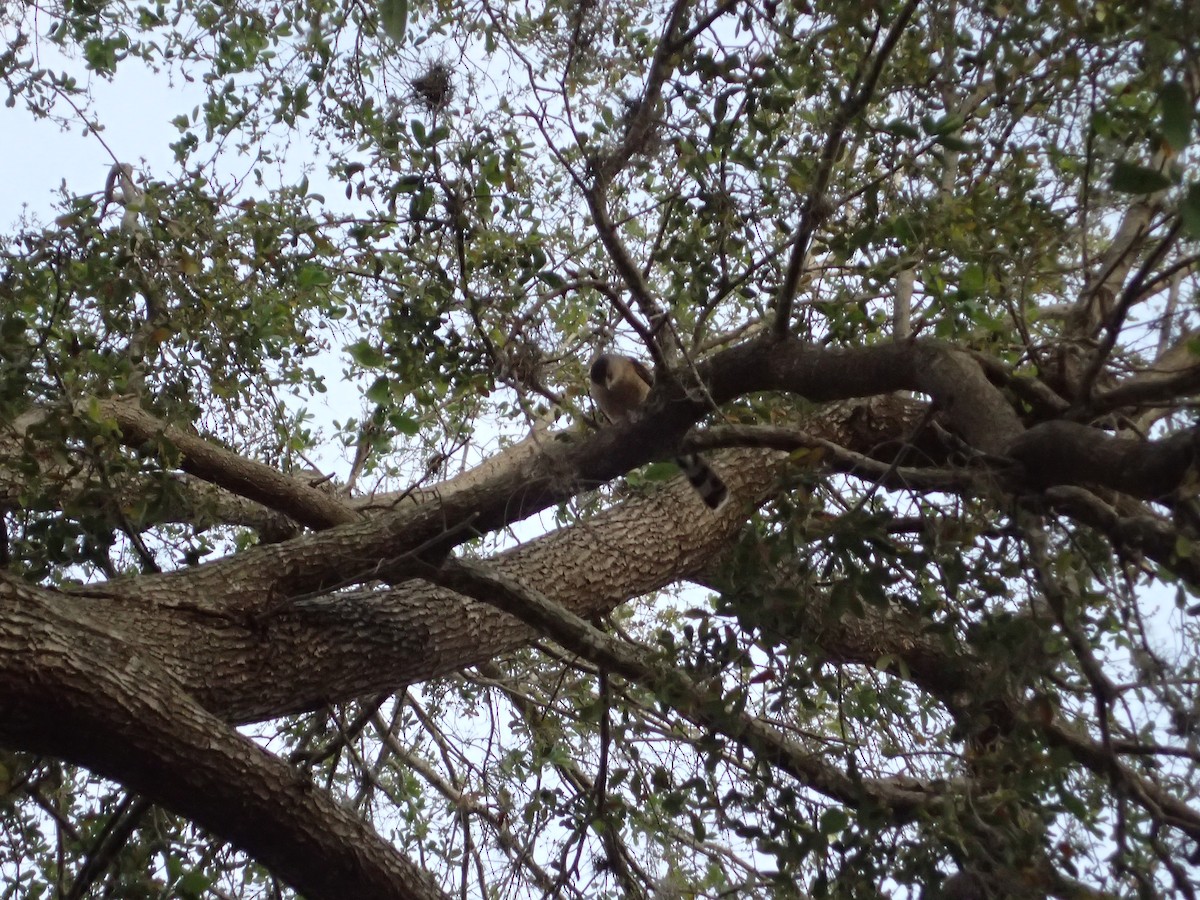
(434, 88)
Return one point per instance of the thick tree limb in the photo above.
(251, 587)
(248, 634)
(207, 460)
(296, 655)
(80, 692)
(1067, 453)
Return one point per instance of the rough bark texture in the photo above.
(83, 692)
(141, 678)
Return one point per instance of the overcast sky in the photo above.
(37, 155)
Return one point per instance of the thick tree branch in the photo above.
(1067, 453)
(211, 462)
(253, 637)
(298, 655)
(256, 581)
(79, 692)
(294, 656)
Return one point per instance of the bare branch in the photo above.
(906, 797)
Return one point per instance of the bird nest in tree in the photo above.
(434, 87)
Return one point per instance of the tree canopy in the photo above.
(322, 575)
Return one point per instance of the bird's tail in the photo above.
(708, 484)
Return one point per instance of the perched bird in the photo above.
(619, 386)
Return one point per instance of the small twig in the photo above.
(1130, 295)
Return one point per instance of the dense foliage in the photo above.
(287, 417)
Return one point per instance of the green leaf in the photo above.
(194, 884)
(421, 203)
(1130, 179)
(94, 412)
(13, 327)
(941, 126)
(1189, 212)
(366, 354)
(902, 129)
(951, 142)
(404, 424)
(313, 276)
(720, 108)
(834, 820)
(393, 15)
(971, 281)
(659, 471)
(1177, 115)
(380, 391)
